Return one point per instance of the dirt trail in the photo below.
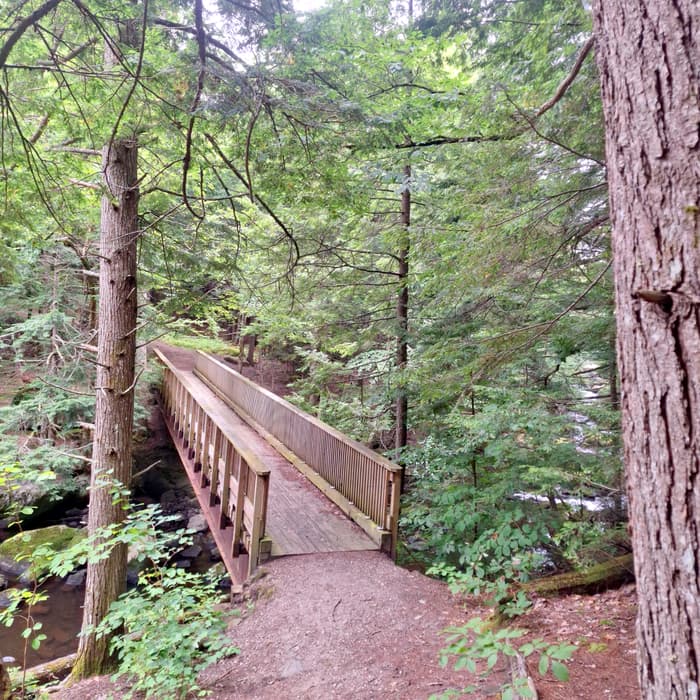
(353, 626)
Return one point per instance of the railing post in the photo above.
(191, 409)
(214, 472)
(243, 475)
(394, 493)
(198, 437)
(207, 446)
(231, 455)
(258, 529)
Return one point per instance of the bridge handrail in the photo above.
(367, 480)
(232, 475)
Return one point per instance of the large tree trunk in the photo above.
(116, 347)
(649, 60)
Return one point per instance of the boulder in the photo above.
(198, 523)
(76, 579)
(18, 554)
(191, 552)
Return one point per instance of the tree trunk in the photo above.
(5, 683)
(402, 316)
(111, 455)
(649, 60)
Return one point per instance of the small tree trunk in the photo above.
(649, 58)
(402, 316)
(116, 347)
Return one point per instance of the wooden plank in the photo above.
(359, 492)
(218, 414)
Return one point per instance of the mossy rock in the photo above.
(17, 554)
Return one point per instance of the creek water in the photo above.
(60, 615)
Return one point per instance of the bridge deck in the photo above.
(300, 519)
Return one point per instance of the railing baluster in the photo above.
(216, 456)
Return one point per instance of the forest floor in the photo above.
(354, 626)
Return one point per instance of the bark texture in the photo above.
(402, 316)
(649, 61)
(114, 410)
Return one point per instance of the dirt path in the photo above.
(353, 626)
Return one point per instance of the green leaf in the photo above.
(543, 666)
(560, 671)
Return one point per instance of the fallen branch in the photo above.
(519, 672)
(601, 577)
(51, 671)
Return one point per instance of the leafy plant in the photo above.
(168, 628)
(476, 647)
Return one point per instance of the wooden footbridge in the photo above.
(271, 479)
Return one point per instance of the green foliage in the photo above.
(204, 343)
(506, 600)
(485, 490)
(476, 647)
(168, 630)
(173, 624)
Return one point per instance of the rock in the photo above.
(12, 569)
(198, 523)
(154, 484)
(5, 599)
(3, 583)
(18, 553)
(168, 497)
(76, 579)
(183, 564)
(293, 667)
(176, 521)
(191, 552)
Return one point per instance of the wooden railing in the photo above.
(362, 482)
(230, 481)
